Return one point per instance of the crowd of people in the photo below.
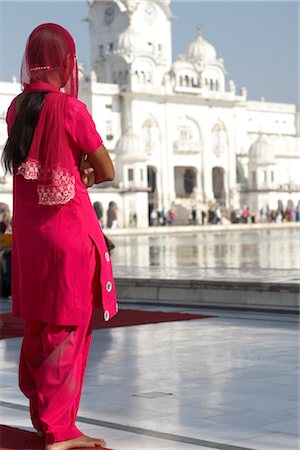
(219, 216)
(267, 215)
(162, 217)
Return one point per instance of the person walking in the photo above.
(61, 268)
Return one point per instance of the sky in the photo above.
(258, 40)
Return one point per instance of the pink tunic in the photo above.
(52, 245)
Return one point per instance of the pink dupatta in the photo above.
(49, 65)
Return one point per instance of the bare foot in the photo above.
(40, 434)
(80, 442)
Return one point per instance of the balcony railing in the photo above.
(186, 147)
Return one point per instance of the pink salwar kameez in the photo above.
(61, 271)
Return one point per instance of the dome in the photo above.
(200, 50)
(129, 41)
(131, 147)
(262, 151)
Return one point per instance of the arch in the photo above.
(153, 192)
(150, 133)
(189, 120)
(219, 138)
(218, 179)
(185, 180)
(189, 180)
(240, 173)
(152, 178)
(219, 126)
(150, 121)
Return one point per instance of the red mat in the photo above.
(13, 327)
(14, 438)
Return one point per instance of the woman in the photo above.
(61, 264)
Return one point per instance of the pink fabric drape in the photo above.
(49, 160)
(50, 65)
(50, 57)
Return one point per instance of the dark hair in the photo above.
(18, 143)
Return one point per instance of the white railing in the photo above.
(186, 147)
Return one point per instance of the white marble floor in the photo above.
(227, 383)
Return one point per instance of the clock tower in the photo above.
(130, 42)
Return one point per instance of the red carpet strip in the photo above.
(13, 327)
(14, 438)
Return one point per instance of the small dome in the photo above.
(131, 147)
(200, 50)
(129, 41)
(262, 151)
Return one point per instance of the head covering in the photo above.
(49, 65)
(50, 57)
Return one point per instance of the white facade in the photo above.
(179, 133)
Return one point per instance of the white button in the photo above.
(107, 256)
(106, 316)
(108, 286)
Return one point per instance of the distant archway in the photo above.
(185, 181)
(218, 184)
(152, 193)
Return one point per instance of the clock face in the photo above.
(150, 13)
(109, 15)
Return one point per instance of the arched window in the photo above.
(189, 181)
(186, 80)
(185, 180)
(150, 135)
(218, 175)
(219, 139)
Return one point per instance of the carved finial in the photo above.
(129, 17)
(199, 30)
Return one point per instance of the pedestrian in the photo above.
(218, 213)
(153, 218)
(203, 216)
(98, 207)
(194, 216)
(112, 221)
(171, 217)
(61, 264)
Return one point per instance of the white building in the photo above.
(179, 133)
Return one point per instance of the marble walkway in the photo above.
(229, 382)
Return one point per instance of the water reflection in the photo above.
(259, 249)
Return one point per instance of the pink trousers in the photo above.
(52, 366)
